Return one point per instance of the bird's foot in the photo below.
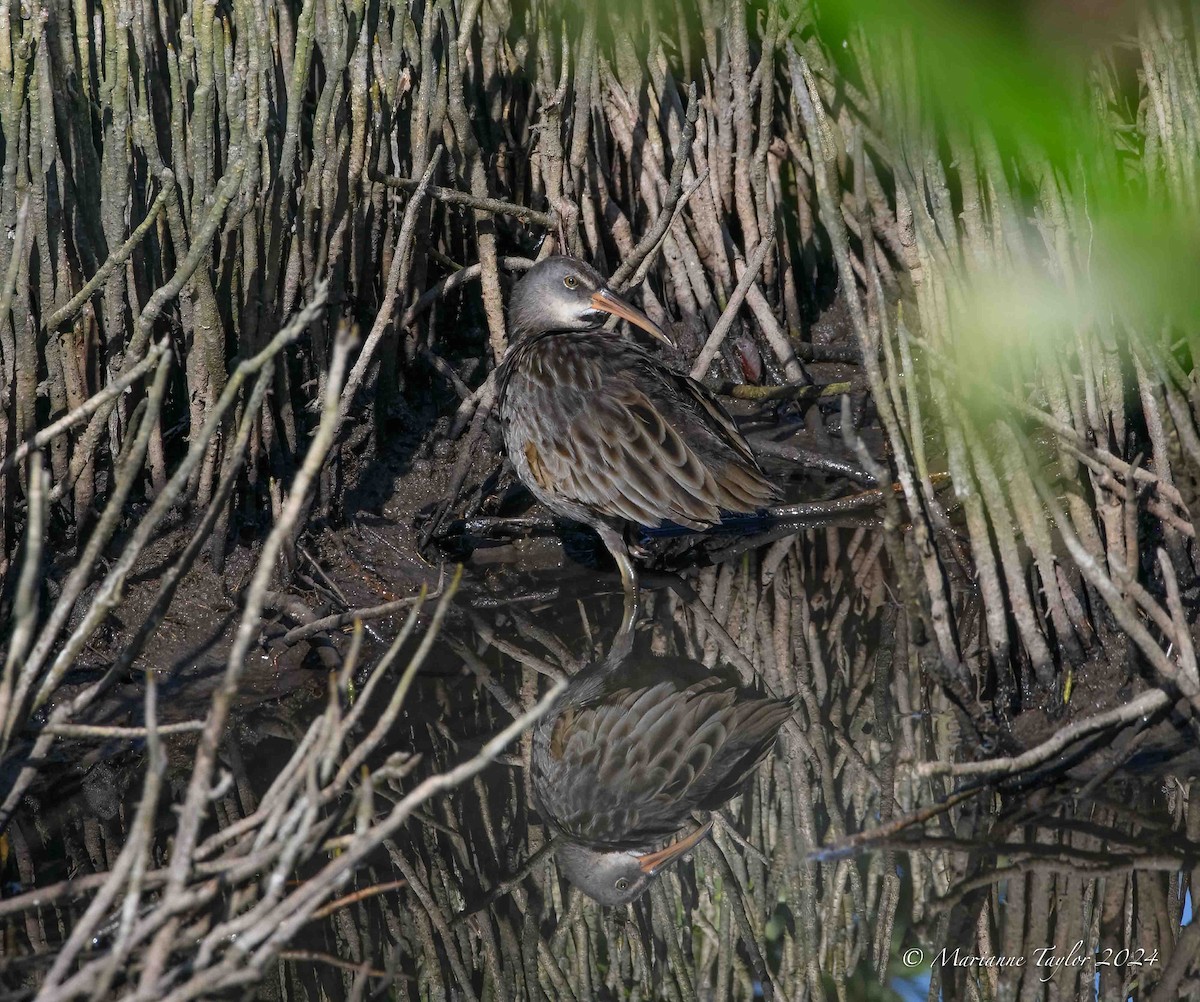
(639, 551)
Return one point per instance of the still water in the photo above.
(1063, 882)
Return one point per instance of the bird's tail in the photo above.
(859, 508)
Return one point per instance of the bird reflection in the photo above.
(633, 746)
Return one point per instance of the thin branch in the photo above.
(547, 220)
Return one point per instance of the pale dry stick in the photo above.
(1183, 633)
(235, 868)
(453, 196)
(113, 261)
(483, 675)
(127, 472)
(201, 244)
(131, 854)
(561, 652)
(85, 409)
(383, 724)
(396, 277)
(472, 160)
(467, 26)
(518, 654)
(120, 733)
(775, 335)
(455, 281)
(446, 371)
(247, 956)
(144, 830)
(648, 262)
(712, 346)
(298, 829)
(298, 836)
(938, 609)
(279, 792)
(109, 592)
(25, 604)
(1092, 456)
(1140, 597)
(340, 689)
(355, 896)
(146, 527)
(195, 803)
(728, 829)
(1123, 612)
(316, 957)
(1140, 707)
(336, 622)
(228, 869)
(10, 285)
(1170, 518)
(666, 213)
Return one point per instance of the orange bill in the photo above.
(652, 862)
(610, 302)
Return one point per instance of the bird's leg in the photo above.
(615, 544)
(622, 645)
(629, 577)
(629, 618)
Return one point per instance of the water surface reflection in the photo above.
(1096, 847)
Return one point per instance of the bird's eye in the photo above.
(570, 281)
(622, 884)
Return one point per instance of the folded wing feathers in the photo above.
(611, 447)
(651, 465)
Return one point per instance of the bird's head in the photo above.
(564, 294)
(619, 877)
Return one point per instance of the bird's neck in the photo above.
(518, 332)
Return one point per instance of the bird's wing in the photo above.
(718, 442)
(753, 727)
(612, 773)
(609, 427)
(630, 768)
(720, 421)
